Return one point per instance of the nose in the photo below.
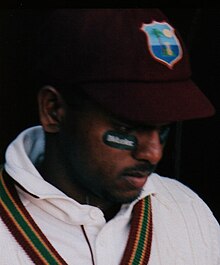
(149, 147)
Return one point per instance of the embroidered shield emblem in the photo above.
(163, 43)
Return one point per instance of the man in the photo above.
(81, 188)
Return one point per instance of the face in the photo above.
(111, 173)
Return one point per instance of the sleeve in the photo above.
(210, 229)
(204, 227)
(215, 238)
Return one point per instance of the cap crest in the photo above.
(163, 43)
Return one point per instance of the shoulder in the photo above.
(184, 204)
(177, 195)
(174, 190)
(182, 207)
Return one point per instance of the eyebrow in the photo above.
(134, 125)
(122, 122)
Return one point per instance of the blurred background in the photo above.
(191, 154)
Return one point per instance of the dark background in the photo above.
(192, 153)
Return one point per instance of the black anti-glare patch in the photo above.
(120, 140)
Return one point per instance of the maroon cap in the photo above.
(131, 61)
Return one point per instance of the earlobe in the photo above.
(51, 109)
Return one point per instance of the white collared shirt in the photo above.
(184, 229)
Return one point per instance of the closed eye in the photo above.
(122, 127)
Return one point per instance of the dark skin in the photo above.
(79, 163)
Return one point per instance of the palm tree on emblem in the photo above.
(165, 49)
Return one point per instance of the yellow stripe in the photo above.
(27, 221)
(147, 234)
(138, 236)
(22, 232)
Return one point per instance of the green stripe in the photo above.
(143, 234)
(25, 227)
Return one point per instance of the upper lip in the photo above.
(138, 174)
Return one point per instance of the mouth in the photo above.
(136, 179)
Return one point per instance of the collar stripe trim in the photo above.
(138, 235)
(24, 229)
(38, 248)
(138, 247)
(26, 244)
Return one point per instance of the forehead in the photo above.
(97, 113)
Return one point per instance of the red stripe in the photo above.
(14, 194)
(19, 237)
(149, 243)
(133, 233)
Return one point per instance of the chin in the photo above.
(123, 197)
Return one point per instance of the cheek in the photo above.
(91, 156)
(108, 161)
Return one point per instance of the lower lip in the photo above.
(137, 182)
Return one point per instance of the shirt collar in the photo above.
(27, 150)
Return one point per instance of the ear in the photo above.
(51, 109)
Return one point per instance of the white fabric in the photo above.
(184, 229)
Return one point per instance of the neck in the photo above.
(55, 171)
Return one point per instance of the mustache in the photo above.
(143, 169)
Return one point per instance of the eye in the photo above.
(122, 128)
(163, 133)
